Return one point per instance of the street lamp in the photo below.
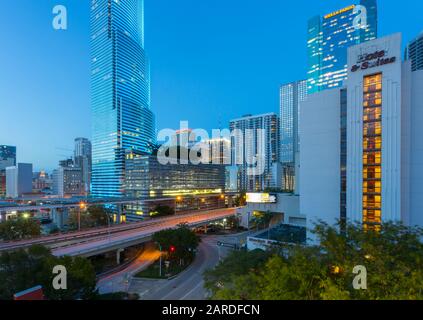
(82, 206)
(160, 268)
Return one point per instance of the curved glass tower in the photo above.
(120, 92)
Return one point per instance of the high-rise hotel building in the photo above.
(120, 80)
(363, 160)
(329, 38)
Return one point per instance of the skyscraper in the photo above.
(82, 156)
(120, 80)
(330, 36)
(255, 150)
(7, 157)
(414, 53)
(291, 95)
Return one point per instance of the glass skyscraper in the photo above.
(120, 80)
(291, 95)
(7, 157)
(329, 37)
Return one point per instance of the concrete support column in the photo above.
(119, 213)
(118, 252)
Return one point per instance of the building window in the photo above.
(372, 152)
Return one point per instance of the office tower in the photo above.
(82, 147)
(363, 160)
(291, 95)
(18, 180)
(182, 186)
(255, 145)
(120, 81)
(219, 150)
(82, 156)
(414, 53)
(329, 38)
(7, 159)
(67, 181)
(66, 163)
(2, 183)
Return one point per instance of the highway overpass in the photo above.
(94, 242)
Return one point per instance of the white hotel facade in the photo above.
(361, 152)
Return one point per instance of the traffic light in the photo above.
(172, 249)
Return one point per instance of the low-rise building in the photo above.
(18, 180)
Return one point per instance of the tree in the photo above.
(183, 240)
(262, 219)
(94, 216)
(393, 258)
(18, 229)
(241, 199)
(228, 278)
(24, 269)
(162, 211)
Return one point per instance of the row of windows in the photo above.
(372, 154)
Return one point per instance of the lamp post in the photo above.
(82, 206)
(160, 267)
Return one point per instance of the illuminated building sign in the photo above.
(372, 60)
(330, 15)
(261, 198)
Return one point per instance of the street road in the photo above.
(119, 282)
(189, 285)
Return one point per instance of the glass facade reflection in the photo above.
(120, 83)
(291, 95)
(328, 40)
(147, 178)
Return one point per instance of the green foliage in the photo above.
(262, 219)
(223, 279)
(233, 222)
(24, 269)
(94, 216)
(393, 258)
(18, 229)
(183, 239)
(162, 211)
(241, 199)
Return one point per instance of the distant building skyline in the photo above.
(61, 108)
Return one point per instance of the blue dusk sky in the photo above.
(211, 61)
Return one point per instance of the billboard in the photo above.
(261, 198)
